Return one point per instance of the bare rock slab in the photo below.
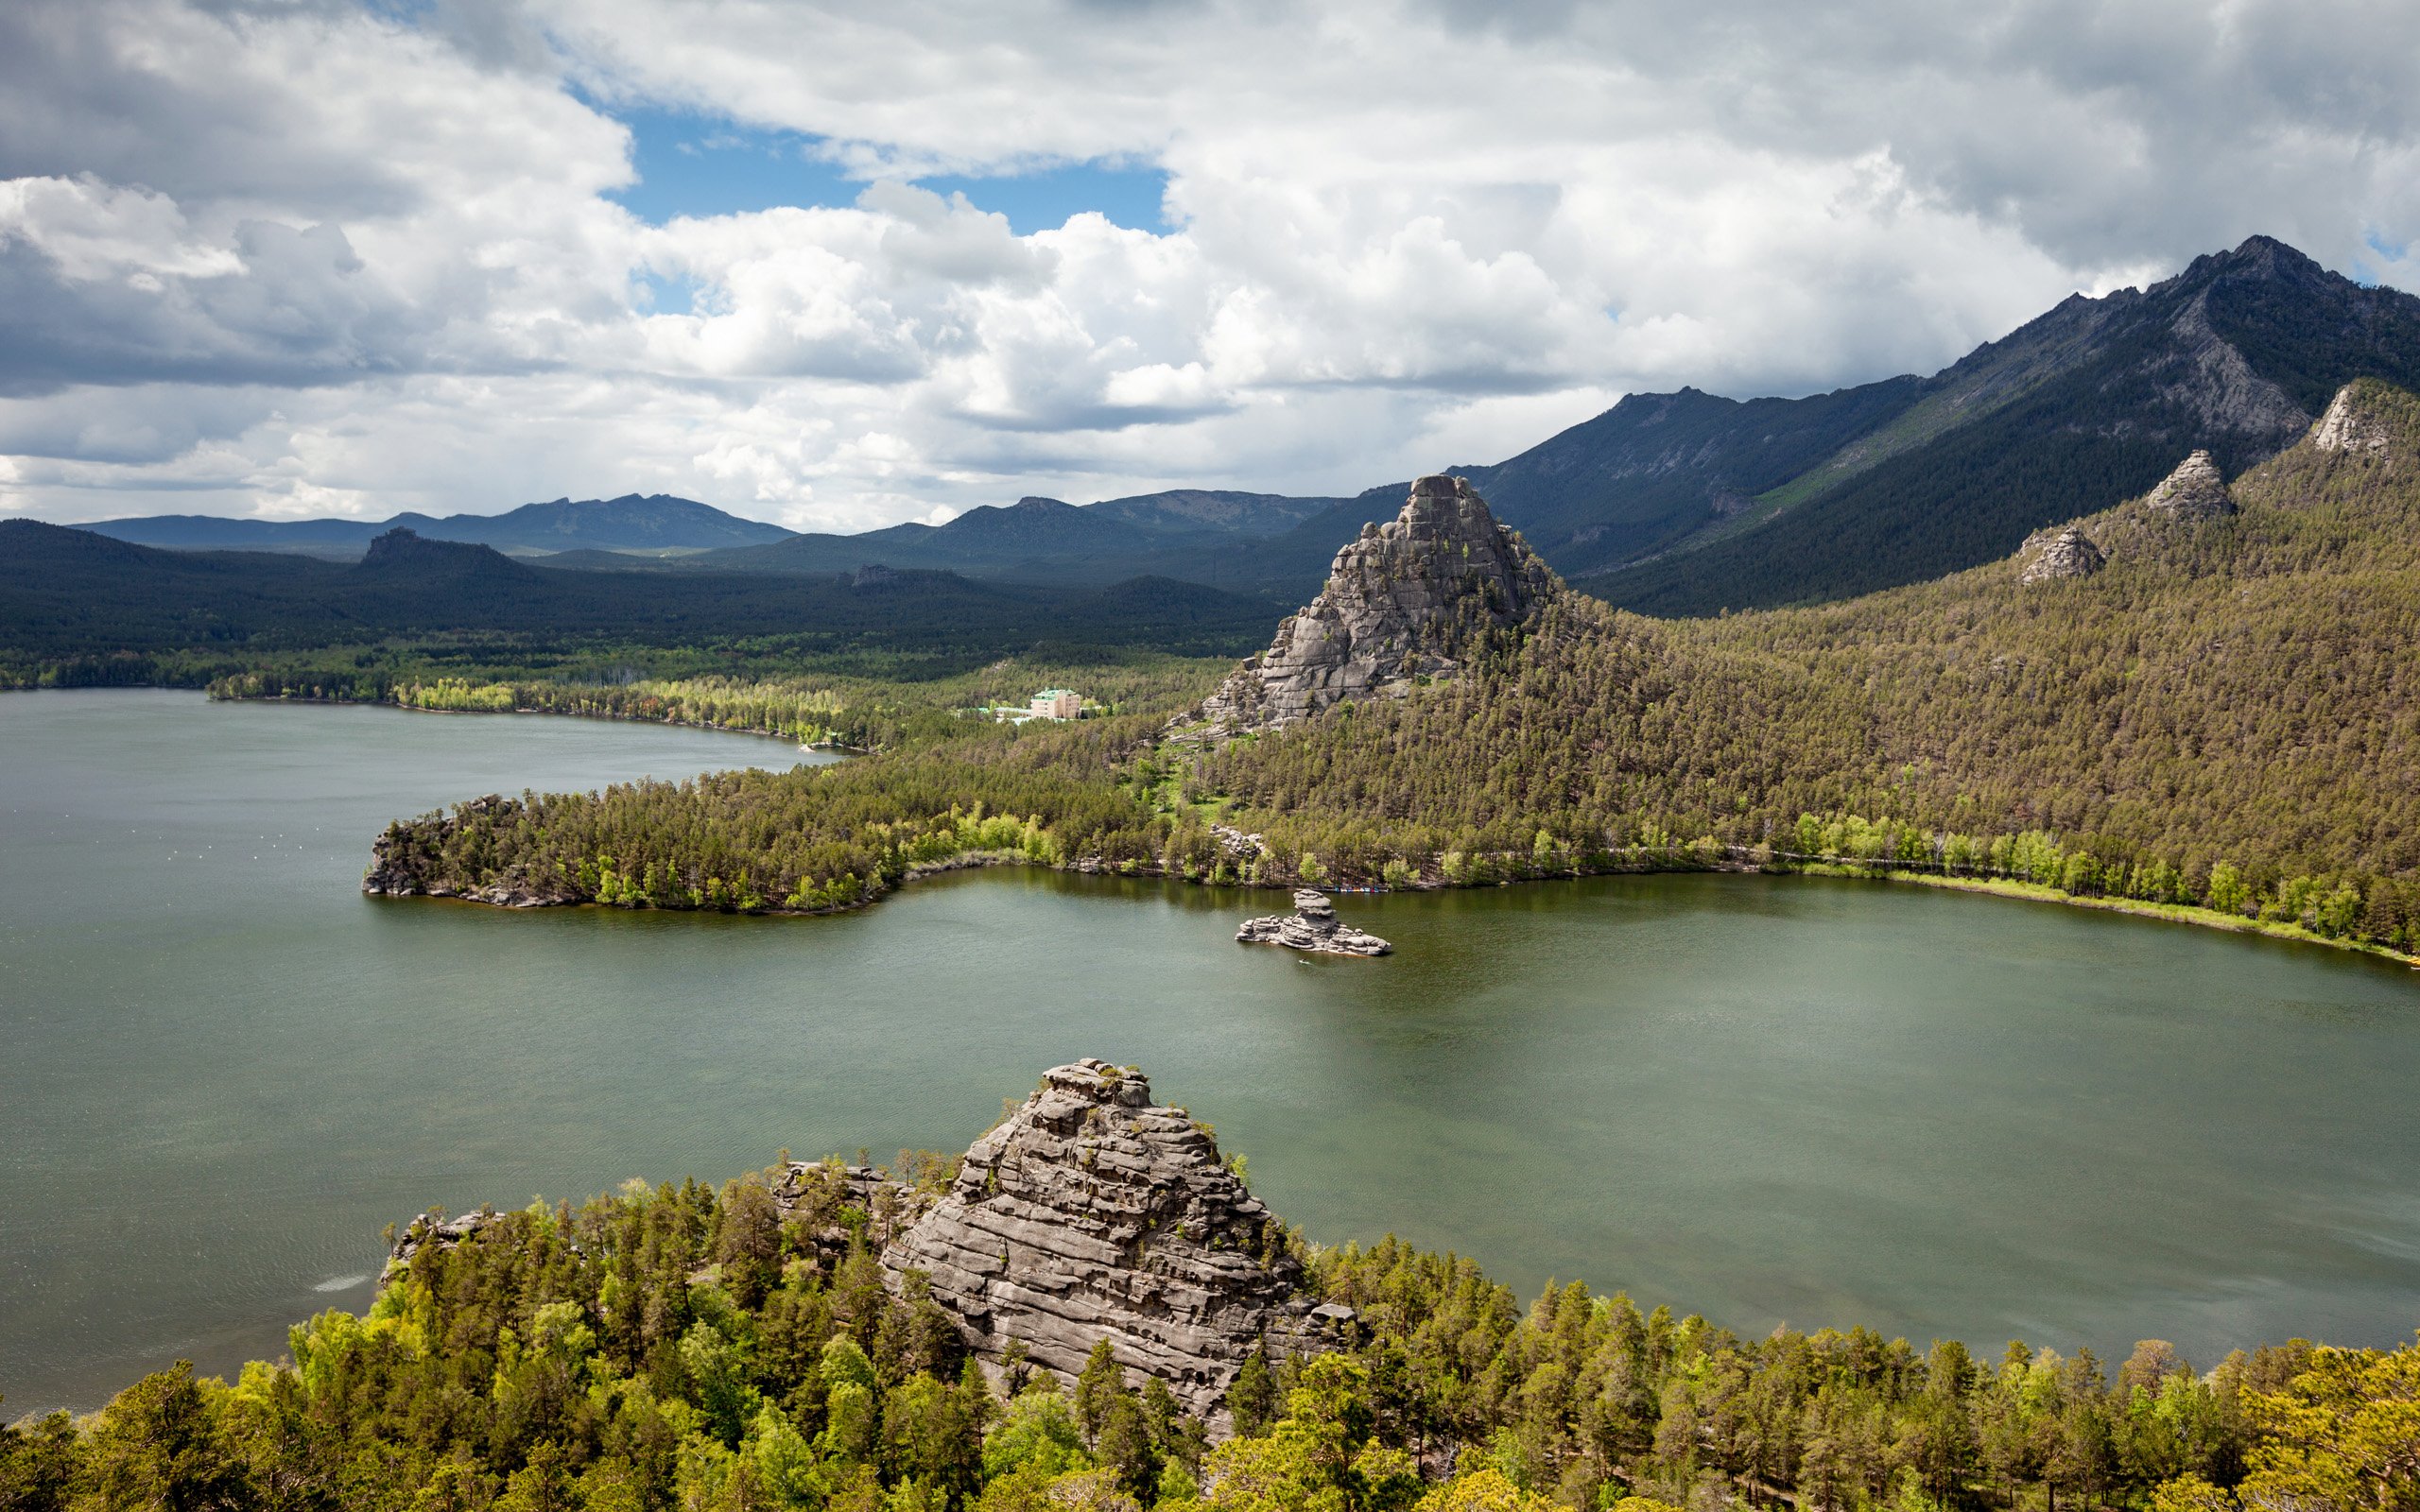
(1312, 926)
(2348, 426)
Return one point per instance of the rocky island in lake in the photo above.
(1312, 926)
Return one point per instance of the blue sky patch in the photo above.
(1043, 201)
(692, 164)
(675, 295)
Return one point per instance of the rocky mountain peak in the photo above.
(2195, 490)
(1094, 1212)
(1403, 601)
(2051, 554)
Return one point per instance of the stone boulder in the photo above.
(1092, 1213)
(1404, 601)
(1312, 926)
(2194, 491)
(2051, 554)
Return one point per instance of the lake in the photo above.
(1765, 1099)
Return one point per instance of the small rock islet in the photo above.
(1312, 926)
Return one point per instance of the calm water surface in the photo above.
(1766, 1099)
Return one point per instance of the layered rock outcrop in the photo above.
(2048, 556)
(1312, 926)
(1404, 601)
(2347, 427)
(2194, 491)
(1093, 1213)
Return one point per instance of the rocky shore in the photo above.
(1312, 926)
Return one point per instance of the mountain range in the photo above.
(633, 523)
(1216, 537)
(75, 599)
(1681, 503)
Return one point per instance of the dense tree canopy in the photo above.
(2227, 716)
(686, 1347)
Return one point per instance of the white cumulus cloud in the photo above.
(290, 256)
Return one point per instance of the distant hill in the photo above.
(69, 595)
(1670, 504)
(1686, 503)
(655, 521)
(1247, 543)
(1216, 537)
(1657, 467)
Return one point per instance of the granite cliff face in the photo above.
(1092, 1213)
(1403, 601)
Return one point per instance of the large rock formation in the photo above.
(1403, 601)
(2051, 554)
(2194, 491)
(1312, 926)
(2347, 427)
(1093, 1213)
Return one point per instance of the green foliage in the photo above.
(814, 838)
(595, 1358)
(821, 701)
(2220, 719)
(2223, 716)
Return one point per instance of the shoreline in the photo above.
(1736, 858)
(541, 714)
(1739, 864)
(2168, 913)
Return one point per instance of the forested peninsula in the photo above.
(1088, 1311)
(2205, 701)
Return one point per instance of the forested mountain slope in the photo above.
(2241, 688)
(2226, 713)
(1657, 467)
(2086, 405)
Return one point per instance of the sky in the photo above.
(838, 265)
